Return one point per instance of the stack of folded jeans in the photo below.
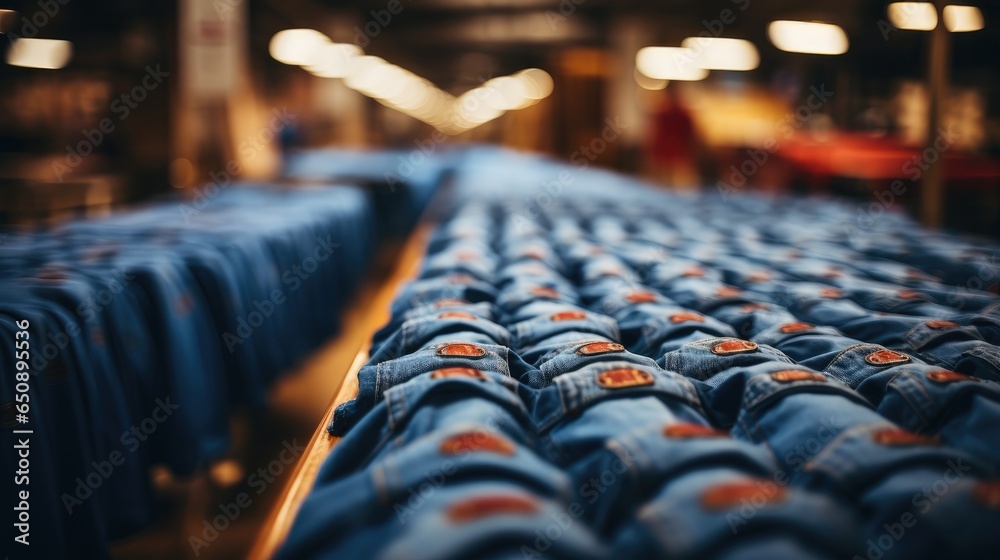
(148, 327)
(589, 368)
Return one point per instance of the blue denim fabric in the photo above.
(705, 294)
(806, 344)
(619, 303)
(955, 347)
(419, 332)
(924, 399)
(483, 310)
(476, 448)
(882, 328)
(643, 255)
(377, 378)
(53, 467)
(431, 402)
(430, 290)
(530, 251)
(489, 520)
(519, 294)
(653, 329)
(603, 266)
(987, 322)
(526, 270)
(542, 308)
(854, 454)
(693, 516)
(615, 480)
(665, 273)
(749, 319)
(818, 346)
(581, 410)
(705, 359)
(538, 331)
(575, 355)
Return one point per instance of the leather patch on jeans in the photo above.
(733, 494)
(641, 297)
(900, 437)
(886, 357)
(790, 375)
(910, 294)
(728, 291)
(52, 274)
(758, 276)
(449, 372)
(183, 304)
(751, 307)
(939, 324)
(733, 347)
(794, 328)
(467, 255)
(945, 376)
(689, 431)
(457, 315)
(479, 507)
(625, 377)
(567, 316)
(534, 253)
(693, 272)
(595, 348)
(450, 302)
(544, 292)
(535, 268)
(463, 350)
(987, 493)
(833, 293)
(686, 317)
(467, 442)
(460, 279)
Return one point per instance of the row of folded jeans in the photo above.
(628, 373)
(145, 329)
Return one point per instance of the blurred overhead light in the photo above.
(301, 47)
(669, 63)
(408, 93)
(40, 53)
(717, 53)
(506, 93)
(367, 72)
(645, 82)
(538, 82)
(963, 18)
(919, 16)
(472, 111)
(334, 60)
(807, 37)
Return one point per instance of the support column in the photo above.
(938, 61)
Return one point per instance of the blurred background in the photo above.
(115, 101)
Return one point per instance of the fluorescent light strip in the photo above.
(48, 54)
(718, 53)
(669, 63)
(405, 91)
(918, 16)
(807, 37)
(959, 19)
